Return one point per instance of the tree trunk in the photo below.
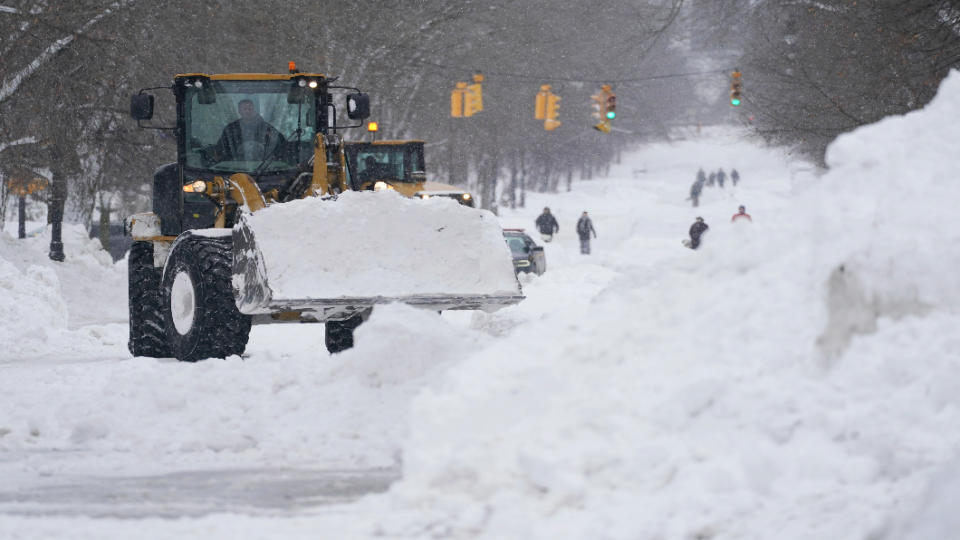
(22, 217)
(58, 198)
(104, 231)
(493, 174)
(547, 173)
(512, 191)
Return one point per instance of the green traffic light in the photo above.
(735, 102)
(611, 115)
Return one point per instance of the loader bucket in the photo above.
(333, 258)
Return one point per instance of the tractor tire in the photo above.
(200, 316)
(339, 334)
(148, 337)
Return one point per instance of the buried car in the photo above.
(527, 255)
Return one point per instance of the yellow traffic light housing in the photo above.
(547, 108)
(457, 99)
(540, 106)
(467, 100)
(604, 108)
(474, 96)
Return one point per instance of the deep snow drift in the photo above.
(795, 378)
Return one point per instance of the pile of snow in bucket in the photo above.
(381, 244)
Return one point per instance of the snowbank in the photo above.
(795, 378)
(35, 293)
(381, 244)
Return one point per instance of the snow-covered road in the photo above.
(795, 377)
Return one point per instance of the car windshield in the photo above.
(517, 245)
(247, 126)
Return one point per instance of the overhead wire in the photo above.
(570, 79)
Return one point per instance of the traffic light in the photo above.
(605, 108)
(553, 110)
(474, 96)
(540, 106)
(457, 99)
(736, 88)
(467, 100)
(547, 108)
(611, 107)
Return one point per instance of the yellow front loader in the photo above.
(256, 222)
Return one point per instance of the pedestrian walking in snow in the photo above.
(734, 177)
(701, 176)
(721, 176)
(696, 231)
(584, 230)
(695, 190)
(741, 215)
(547, 225)
(712, 178)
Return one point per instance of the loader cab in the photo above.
(262, 125)
(380, 165)
(395, 165)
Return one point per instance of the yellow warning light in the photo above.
(373, 127)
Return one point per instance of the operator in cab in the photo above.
(249, 138)
(373, 170)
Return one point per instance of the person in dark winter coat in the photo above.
(248, 138)
(712, 178)
(721, 176)
(695, 190)
(584, 229)
(734, 177)
(696, 231)
(701, 176)
(547, 225)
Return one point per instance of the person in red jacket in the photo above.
(741, 214)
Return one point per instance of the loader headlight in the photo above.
(195, 187)
(381, 185)
(522, 264)
(312, 84)
(425, 196)
(465, 196)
